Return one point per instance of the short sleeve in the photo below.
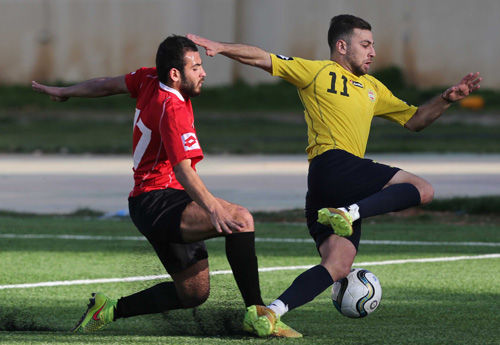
(297, 71)
(134, 80)
(392, 108)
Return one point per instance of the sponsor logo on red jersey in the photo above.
(190, 142)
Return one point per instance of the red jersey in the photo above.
(164, 132)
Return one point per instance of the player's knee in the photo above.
(426, 194)
(244, 216)
(340, 272)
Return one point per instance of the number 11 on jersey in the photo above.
(332, 88)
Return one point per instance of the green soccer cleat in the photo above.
(283, 331)
(263, 322)
(99, 314)
(340, 221)
(260, 320)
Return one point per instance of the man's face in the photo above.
(360, 51)
(193, 76)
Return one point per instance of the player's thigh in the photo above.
(337, 255)
(425, 188)
(196, 220)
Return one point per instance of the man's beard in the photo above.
(188, 87)
(357, 70)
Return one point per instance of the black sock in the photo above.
(394, 198)
(156, 299)
(306, 287)
(240, 253)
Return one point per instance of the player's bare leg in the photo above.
(193, 284)
(337, 256)
(424, 188)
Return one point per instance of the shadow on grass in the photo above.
(220, 321)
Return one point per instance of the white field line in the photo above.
(269, 269)
(73, 237)
(257, 239)
(266, 269)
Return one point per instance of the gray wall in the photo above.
(435, 42)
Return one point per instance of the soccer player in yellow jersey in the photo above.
(340, 101)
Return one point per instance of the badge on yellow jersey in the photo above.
(371, 95)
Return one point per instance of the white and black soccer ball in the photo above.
(358, 294)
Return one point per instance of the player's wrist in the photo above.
(449, 101)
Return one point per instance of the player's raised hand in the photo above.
(53, 92)
(210, 46)
(467, 85)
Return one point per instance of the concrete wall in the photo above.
(435, 42)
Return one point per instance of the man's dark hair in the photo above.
(170, 55)
(342, 27)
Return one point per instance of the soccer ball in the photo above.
(358, 294)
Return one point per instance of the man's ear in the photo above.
(175, 74)
(341, 46)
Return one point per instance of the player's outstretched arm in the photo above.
(243, 53)
(98, 87)
(430, 111)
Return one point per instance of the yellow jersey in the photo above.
(338, 105)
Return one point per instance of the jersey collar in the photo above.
(174, 91)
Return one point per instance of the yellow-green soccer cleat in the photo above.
(260, 320)
(283, 331)
(263, 322)
(340, 221)
(99, 314)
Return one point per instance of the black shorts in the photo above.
(337, 178)
(157, 215)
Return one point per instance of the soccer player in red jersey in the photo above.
(170, 204)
